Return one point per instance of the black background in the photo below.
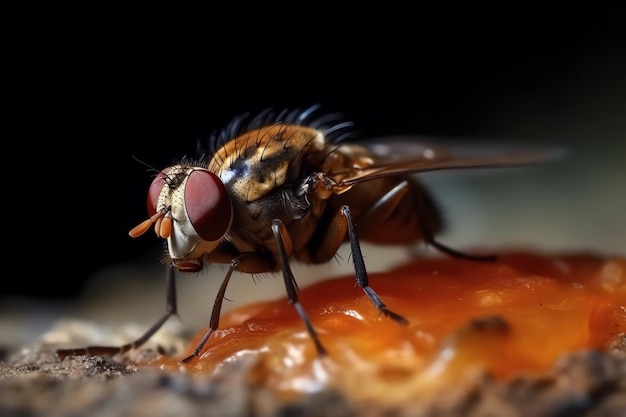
(89, 92)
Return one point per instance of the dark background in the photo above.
(89, 93)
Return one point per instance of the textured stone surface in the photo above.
(33, 382)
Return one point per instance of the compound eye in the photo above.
(208, 205)
(153, 193)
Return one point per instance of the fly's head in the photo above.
(190, 208)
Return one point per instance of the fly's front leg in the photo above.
(245, 262)
(214, 322)
(171, 309)
(361, 273)
(285, 246)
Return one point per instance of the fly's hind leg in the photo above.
(388, 203)
(429, 237)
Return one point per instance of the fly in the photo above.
(289, 186)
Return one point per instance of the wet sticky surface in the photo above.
(513, 317)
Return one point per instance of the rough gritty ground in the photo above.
(34, 382)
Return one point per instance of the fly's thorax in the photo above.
(257, 162)
(198, 205)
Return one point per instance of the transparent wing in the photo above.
(399, 155)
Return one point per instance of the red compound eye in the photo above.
(153, 193)
(208, 205)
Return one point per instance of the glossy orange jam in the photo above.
(508, 318)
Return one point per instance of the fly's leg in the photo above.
(429, 238)
(248, 262)
(361, 273)
(384, 208)
(284, 245)
(251, 262)
(171, 310)
(342, 223)
(214, 322)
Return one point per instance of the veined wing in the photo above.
(394, 156)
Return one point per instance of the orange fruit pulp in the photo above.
(467, 319)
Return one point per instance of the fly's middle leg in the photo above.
(285, 245)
